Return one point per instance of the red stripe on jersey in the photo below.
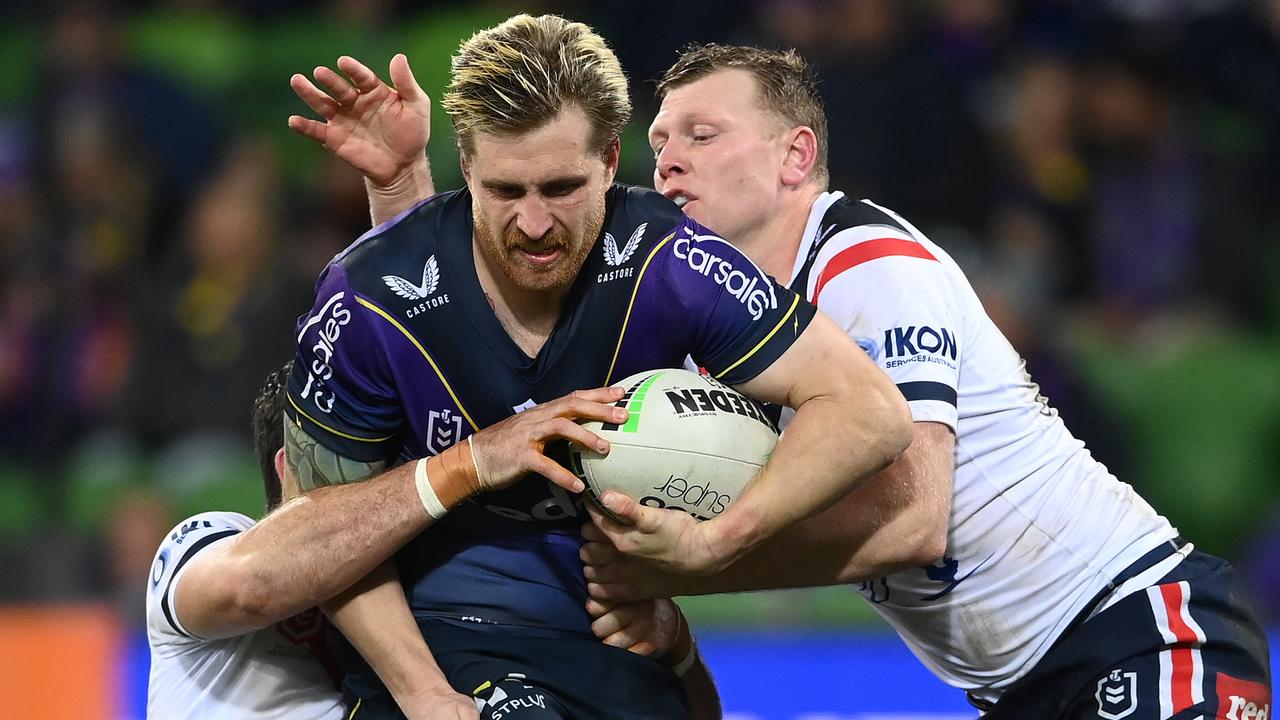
(865, 251)
(1180, 680)
(1172, 594)
(1182, 659)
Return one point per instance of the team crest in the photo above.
(615, 256)
(409, 291)
(1117, 695)
(444, 430)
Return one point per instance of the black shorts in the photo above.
(1185, 648)
(517, 673)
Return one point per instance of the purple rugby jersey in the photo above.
(402, 356)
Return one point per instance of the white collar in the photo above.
(811, 230)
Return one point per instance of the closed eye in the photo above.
(505, 192)
(562, 189)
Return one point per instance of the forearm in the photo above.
(685, 660)
(896, 520)
(375, 617)
(704, 698)
(410, 187)
(319, 544)
(826, 451)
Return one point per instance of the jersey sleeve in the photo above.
(737, 319)
(341, 391)
(898, 301)
(190, 537)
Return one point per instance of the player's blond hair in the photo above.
(518, 75)
(786, 85)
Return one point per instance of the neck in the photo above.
(528, 316)
(773, 245)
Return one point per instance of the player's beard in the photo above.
(505, 251)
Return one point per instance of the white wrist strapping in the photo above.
(426, 493)
(475, 459)
(683, 666)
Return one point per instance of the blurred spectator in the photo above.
(222, 308)
(900, 132)
(1144, 239)
(135, 525)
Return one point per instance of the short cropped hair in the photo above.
(267, 425)
(787, 85)
(517, 76)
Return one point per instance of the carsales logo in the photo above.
(328, 323)
(754, 291)
(1242, 699)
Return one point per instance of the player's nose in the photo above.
(670, 161)
(533, 217)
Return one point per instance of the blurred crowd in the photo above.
(1107, 171)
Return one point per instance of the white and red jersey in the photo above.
(1038, 526)
(274, 673)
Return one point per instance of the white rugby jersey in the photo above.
(1038, 527)
(270, 673)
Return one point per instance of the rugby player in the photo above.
(457, 337)
(227, 639)
(991, 541)
(231, 617)
(1010, 560)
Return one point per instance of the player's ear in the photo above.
(278, 461)
(801, 154)
(466, 166)
(611, 154)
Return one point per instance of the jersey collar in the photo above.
(812, 233)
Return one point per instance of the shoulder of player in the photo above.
(408, 240)
(853, 235)
(191, 536)
(197, 531)
(630, 208)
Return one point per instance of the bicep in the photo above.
(204, 594)
(315, 465)
(823, 360)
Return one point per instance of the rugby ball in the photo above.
(689, 443)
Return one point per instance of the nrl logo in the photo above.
(1117, 695)
(409, 291)
(615, 256)
(444, 429)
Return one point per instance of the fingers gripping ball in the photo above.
(689, 443)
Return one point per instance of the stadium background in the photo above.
(1108, 172)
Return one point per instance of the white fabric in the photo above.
(256, 676)
(1038, 527)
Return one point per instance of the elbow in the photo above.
(252, 601)
(930, 525)
(896, 427)
(929, 547)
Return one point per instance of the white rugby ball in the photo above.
(689, 443)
